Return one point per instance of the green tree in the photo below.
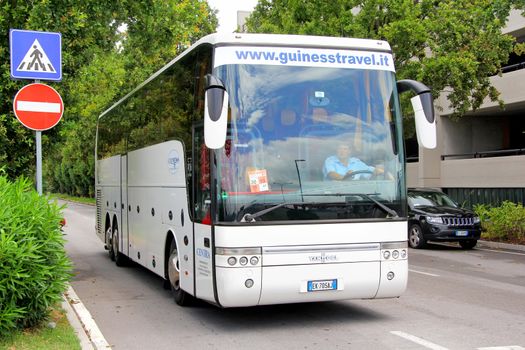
(107, 48)
(450, 45)
(152, 33)
(85, 25)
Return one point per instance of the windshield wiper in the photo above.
(362, 195)
(388, 210)
(251, 217)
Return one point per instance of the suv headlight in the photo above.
(477, 220)
(434, 220)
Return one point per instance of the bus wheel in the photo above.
(119, 258)
(109, 243)
(181, 297)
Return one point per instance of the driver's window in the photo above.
(201, 178)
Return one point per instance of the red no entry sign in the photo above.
(38, 106)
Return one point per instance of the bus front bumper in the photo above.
(356, 272)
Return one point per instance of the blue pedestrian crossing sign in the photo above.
(35, 55)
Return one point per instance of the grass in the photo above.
(62, 337)
(66, 197)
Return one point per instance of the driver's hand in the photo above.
(348, 174)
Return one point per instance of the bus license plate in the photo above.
(314, 286)
(462, 233)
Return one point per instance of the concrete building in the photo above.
(241, 20)
(481, 157)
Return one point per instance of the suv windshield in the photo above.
(430, 199)
(292, 130)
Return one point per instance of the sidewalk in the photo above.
(498, 245)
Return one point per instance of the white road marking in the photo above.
(44, 107)
(424, 273)
(509, 347)
(418, 340)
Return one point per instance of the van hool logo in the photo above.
(322, 258)
(173, 161)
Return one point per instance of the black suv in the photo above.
(433, 216)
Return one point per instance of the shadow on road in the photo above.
(445, 246)
(322, 315)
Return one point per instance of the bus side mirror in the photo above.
(423, 112)
(215, 113)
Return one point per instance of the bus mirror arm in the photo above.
(423, 107)
(215, 113)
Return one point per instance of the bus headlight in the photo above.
(394, 250)
(395, 254)
(237, 257)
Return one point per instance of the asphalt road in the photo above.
(455, 300)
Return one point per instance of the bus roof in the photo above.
(218, 39)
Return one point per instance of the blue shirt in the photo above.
(333, 163)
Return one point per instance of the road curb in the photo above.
(81, 320)
(499, 245)
(85, 343)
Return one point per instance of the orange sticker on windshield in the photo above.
(258, 180)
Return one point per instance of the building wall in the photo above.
(483, 130)
(472, 134)
(515, 24)
(484, 172)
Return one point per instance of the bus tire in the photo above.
(109, 243)
(120, 259)
(181, 297)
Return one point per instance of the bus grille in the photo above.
(458, 221)
(99, 211)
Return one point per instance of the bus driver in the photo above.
(341, 166)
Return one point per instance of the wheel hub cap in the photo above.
(173, 269)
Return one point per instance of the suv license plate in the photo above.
(462, 233)
(314, 286)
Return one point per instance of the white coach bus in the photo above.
(217, 173)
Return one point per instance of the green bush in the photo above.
(503, 223)
(34, 267)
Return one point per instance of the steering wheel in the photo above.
(357, 172)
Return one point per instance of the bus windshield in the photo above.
(310, 143)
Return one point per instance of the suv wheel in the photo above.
(468, 244)
(415, 237)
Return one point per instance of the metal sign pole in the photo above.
(38, 158)
(39, 162)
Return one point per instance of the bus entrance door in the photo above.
(202, 228)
